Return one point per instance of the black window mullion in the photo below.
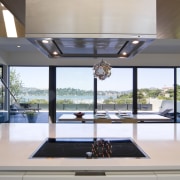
(52, 94)
(95, 95)
(134, 110)
(175, 95)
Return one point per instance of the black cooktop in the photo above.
(88, 148)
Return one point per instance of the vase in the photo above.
(32, 118)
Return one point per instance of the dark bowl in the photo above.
(79, 114)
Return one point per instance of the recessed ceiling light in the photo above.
(124, 53)
(18, 46)
(135, 42)
(45, 41)
(55, 53)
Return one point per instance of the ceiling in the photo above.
(168, 29)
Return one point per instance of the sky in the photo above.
(82, 78)
(33, 76)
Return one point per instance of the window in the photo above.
(155, 89)
(74, 89)
(1, 92)
(4, 112)
(29, 85)
(178, 95)
(115, 93)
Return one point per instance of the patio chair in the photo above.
(16, 109)
(165, 112)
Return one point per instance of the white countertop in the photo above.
(161, 142)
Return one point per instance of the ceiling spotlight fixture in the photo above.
(135, 42)
(102, 70)
(45, 41)
(18, 46)
(55, 53)
(124, 53)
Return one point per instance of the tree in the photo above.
(15, 83)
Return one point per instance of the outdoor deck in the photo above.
(42, 117)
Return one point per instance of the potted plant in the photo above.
(31, 116)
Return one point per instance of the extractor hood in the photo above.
(91, 28)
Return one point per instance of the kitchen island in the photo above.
(161, 142)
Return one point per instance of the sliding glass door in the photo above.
(29, 86)
(74, 89)
(115, 93)
(156, 90)
(178, 95)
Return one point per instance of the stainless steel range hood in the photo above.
(91, 28)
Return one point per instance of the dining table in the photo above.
(115, 117)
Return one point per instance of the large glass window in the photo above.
(1, 93)
(115, 93)
(178, 95)
(156, 91)
(74, 90)
(29, 85)
(3, 103)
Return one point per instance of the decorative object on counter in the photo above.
(89, 155)
(31, 116)
(101, 148)
(79, 114)
(102, 70)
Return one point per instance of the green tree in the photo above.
(65, 101)
(15, 83)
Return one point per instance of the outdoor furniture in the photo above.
(114, 118)
(165, 112)
(129, 120)
(103, 120)
(22, 107)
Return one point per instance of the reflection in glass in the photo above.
(154, 132)
(25, 132)
(114, 131)
(75, 130)
(178, 132)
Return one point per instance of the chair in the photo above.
(129, 120)
(102, 120)
(165, 112)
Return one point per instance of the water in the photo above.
(75, 99)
